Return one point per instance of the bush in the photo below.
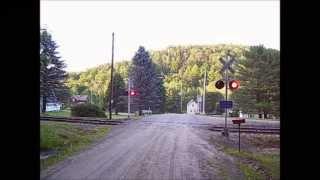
(87, 110)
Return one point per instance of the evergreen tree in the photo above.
(52, 74)
(259, 74)
(146, 82)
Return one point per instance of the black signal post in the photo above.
(239, 121)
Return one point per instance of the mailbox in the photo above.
(238, 121)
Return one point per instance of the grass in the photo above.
(249, 172)
(123, 116)
(67, 113)
(64, 113)
(268, 164)
(67, 139)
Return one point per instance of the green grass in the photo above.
(250, 173)
(270, 163)
(67, 139)
(64, 113)
(119, 116)
(67, 113)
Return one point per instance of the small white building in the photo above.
(193, 107)
(52, 103)
(56, 106)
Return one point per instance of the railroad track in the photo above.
(261, 130)
(84, 120)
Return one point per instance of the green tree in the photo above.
(212, 98)
(52, 73)
(118, 90)
(146, 82)
(259, 74)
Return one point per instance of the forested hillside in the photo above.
(183, 69)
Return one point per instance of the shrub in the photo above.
(87, 110)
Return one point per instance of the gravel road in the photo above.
(167, 146)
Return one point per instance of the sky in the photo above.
(83, 29)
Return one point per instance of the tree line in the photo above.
(165, 77)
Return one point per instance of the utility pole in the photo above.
(181, 97)
(111, 81)
(204, 93)
(90, 96)
(129, 94)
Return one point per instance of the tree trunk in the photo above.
(260, 115)
(44, 104)
(116, 110)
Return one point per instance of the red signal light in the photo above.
(133, 93)
(219, 84)
(234, 84)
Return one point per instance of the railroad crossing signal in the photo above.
(234, 84)
(133, 93)
(219, 84)
(227, 63)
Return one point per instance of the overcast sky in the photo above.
(83, 29)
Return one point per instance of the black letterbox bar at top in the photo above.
(238, 121)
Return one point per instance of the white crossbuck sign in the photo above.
(227, 62)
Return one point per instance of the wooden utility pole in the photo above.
(181, 97)
(111, 81)
(204, 93)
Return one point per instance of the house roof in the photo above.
(191, 101)
(80, 97)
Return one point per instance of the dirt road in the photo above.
(168, 146)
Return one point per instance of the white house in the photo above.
(193, 107)
(52, 103)
(53, 106)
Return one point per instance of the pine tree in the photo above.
(259, 74)
(146, 82)
(52, 74)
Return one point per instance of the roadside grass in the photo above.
(117, 116)
(249, 172)
(266, 165)
(264, 141)
(67, 113)
(63, 113)
(66, 139)
(123, 116)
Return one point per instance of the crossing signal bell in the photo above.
(219, 84)
(234, 84)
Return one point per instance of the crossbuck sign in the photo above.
(227, 62)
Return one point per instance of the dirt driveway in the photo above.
(168, 146)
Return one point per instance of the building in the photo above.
(52, 103)
(193, 107)
(79, 99)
